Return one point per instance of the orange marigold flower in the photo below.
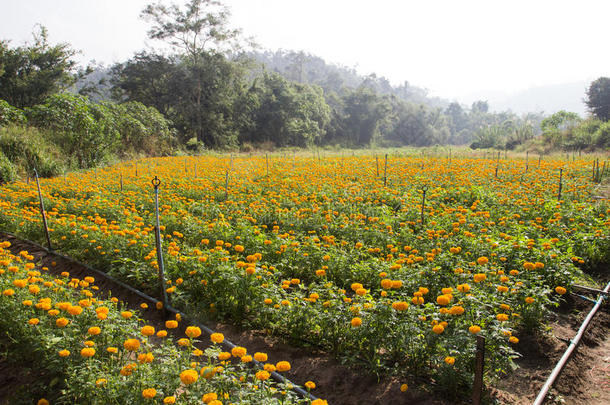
(189, 376)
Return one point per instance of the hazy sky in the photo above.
(454, 48)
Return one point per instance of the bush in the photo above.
(7, 170)
(10, 114)
(26, 150)
(84, 130)
(602, 135)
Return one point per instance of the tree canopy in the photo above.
(30, 73)
(598, 98)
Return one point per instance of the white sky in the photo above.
(454, 48)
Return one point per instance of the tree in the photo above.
(287, 113)
(30, 73)
(598, 98)
(85, 131)
(202, 25)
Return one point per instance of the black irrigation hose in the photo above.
(572, 346)
(226, 343)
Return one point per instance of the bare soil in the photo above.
(586, 379)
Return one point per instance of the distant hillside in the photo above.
(547, 99)
(306, 68)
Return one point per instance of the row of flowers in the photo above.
(98, 352)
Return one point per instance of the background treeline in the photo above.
(206, 90)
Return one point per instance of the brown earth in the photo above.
(586, 379)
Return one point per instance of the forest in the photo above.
(215, 90)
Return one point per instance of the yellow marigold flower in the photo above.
(310, 385)
(396, 284)
(189, 376)
(42, 401)
(529, 300)
(443, 299)
(238, 351)
(131, 344)
(184, 342)
(528, 266)
(560, 290)
(8, 292)
(94, 330)
(209, 397)
(169, 400)
(64, 353)
(438, 329)
(148, 330)
(87, 352)
(356, 322)
(222, 356)
(193, 332)
(162, 333)
(100, 382)
(386, 283)
(126, 314)
(262, 375)
(61, 322)
(208, 372)
(269, 367)
(463, 288)
(149, 393)
(112, 350)
(282, 366)
(146, 358)
(479, 277)
(474, 329)
(456, 310)
(403, 388)
(482, 260)
(502, 317)
(217, 337)
(400, 305)
(75, 310)
(171, 324)
(262, 357)
(450, 360)
(246, 359)
(34, 321)
(361, 292)
(513, 339)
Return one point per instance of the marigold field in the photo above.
(320, 251)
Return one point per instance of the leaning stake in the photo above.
(42, 212)
(156, 182)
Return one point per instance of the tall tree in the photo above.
(598, 98)
(202, 25)
(30, 73)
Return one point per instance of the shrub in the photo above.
(7, 170)
(26, 149)
(10, 114)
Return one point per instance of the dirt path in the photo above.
(586, 379)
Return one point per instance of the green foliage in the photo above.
(7, 169)
(10, 114)
(602, 135)
(86, 132)
(598, 98)
(27, 149)
(283, 113)
(558, 127)
(30, 73)
(143, 129)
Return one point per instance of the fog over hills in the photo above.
(548, 99)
